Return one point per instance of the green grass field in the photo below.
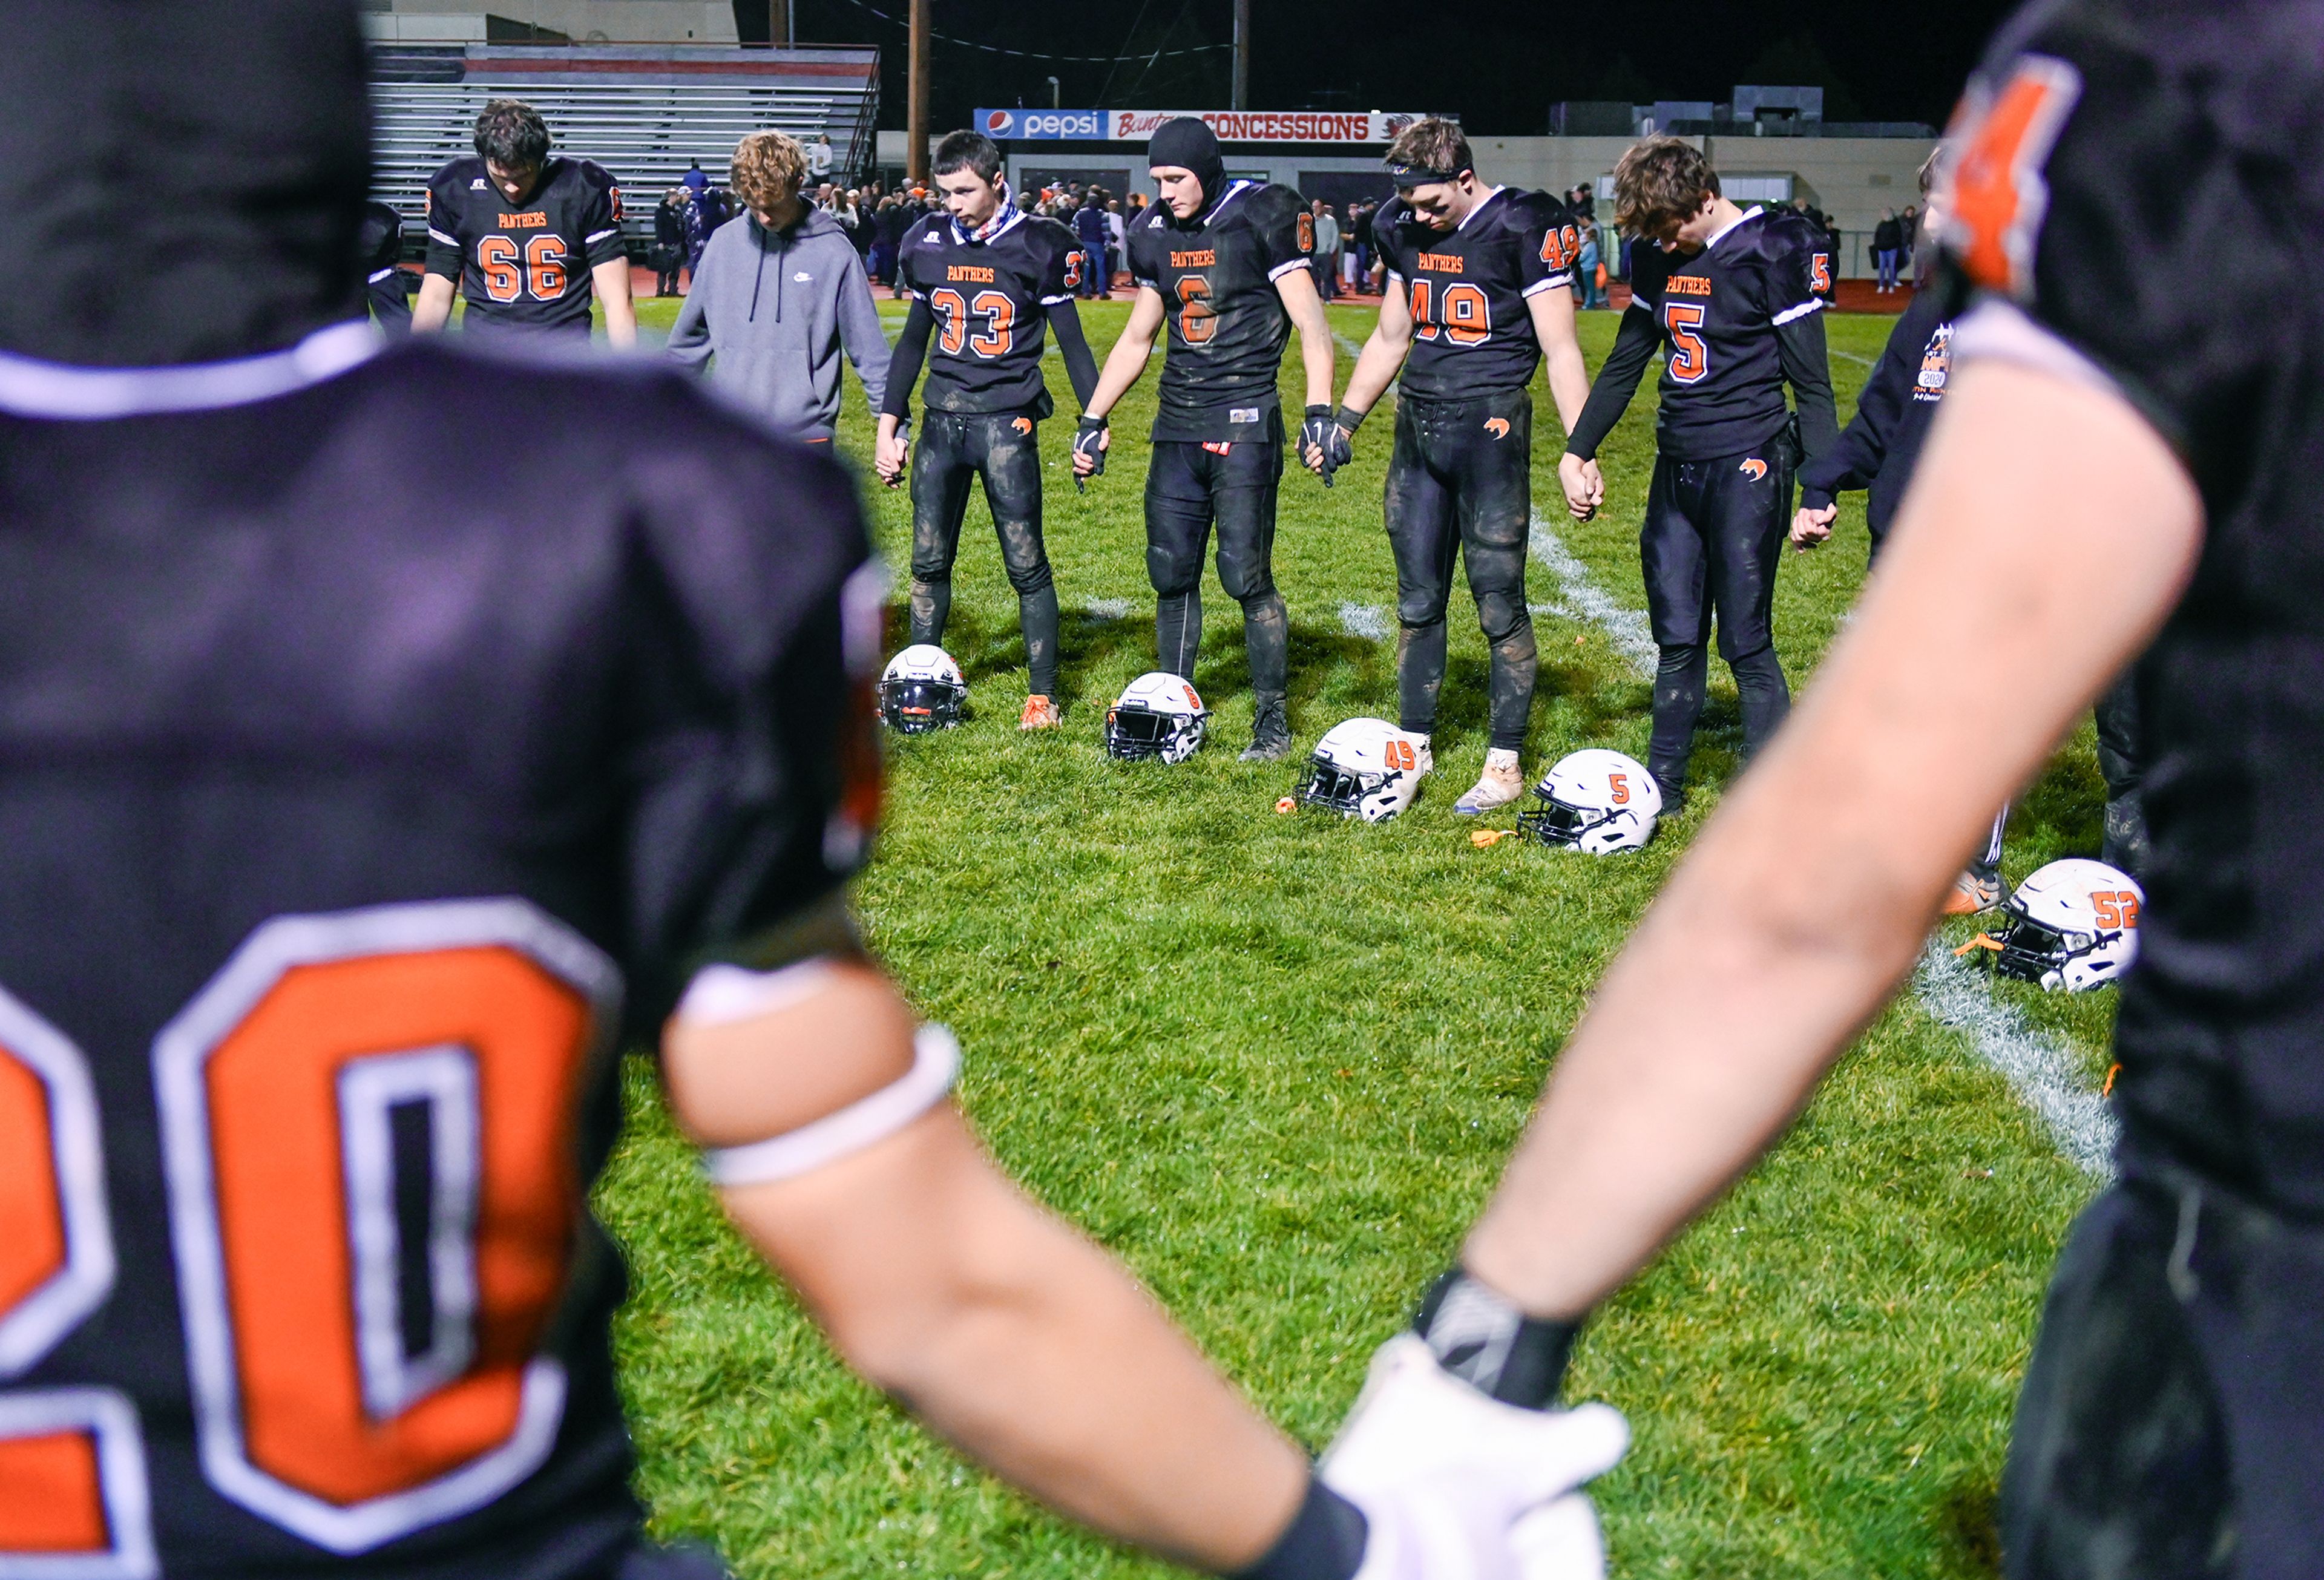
(1274, 1062)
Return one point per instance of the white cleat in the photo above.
(1500, 784)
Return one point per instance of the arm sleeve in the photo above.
(1286, 231)
(1142, 269)
(1552, 243)
(1081, 366)
(1856, 460)
(443, 228)
(1618, 379)
(1800, 343)
(601, 220)
(904, 362)
(860, 331)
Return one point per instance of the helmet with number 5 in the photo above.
(1158, 715)
(1596, 801)
(1365, 769)
(922, 690)
(2074, 925)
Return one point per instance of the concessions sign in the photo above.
(1348, 126)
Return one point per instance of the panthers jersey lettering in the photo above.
(991, 301)
(524, 265)
(318, 932)
(1467, 288)
(1228, 326)
(1717, 311)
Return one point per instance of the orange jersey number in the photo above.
(1460, 313)
(1690, 359)
(496, 256)
(998, 313)
(1197, 320)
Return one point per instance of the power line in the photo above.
(1038, 55)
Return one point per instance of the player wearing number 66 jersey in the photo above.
(1224, 263)
(1478, 295)
(1737, 296)
(986, 279)
(528, 236)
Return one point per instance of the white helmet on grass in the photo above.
(1158, 715)
(922, 690)
(2072, 926)
(1367, 769)
(1596, 801)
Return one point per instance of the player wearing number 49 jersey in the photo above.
(357, 815)
(1478, 295)
(986, 279)
(1737, 297)
(1224, 265)
(530, 237)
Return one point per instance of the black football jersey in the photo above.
(1723, 386)
(1228, 325)
(525, 268)
(990, 301)
(1471, 333)
(356, 812)
(2070, 210)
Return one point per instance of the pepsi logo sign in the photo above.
(1042, 124)
(999, 123)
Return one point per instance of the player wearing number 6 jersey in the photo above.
(528, 237)
(986, 279)
(1736, 295)
(356, 815)
(1224, 265)
(1476, 297)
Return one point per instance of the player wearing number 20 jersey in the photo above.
(524, 265)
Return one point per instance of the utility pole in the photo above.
(1241, 95)
(778, 23)
(916, 154)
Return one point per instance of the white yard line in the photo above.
(1862, 362)
(2042, 1070)
(1107, 608)
(1367, 621)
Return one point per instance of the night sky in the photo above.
(1498, 64)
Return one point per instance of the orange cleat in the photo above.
(1040, 713)
(1971, 893)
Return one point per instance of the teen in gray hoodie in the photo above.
(777, 295)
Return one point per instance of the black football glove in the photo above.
(1086, 442)
(1342, 448)
(1316, 430)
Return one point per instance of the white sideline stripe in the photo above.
(1581, 599)
(2041, 1070)
(1862, 362)
(1346, 345)
(1367, 621)
(2038, 1070)
(1108, 608)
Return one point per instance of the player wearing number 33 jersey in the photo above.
(524, 265)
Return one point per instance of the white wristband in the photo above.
(936, 1064)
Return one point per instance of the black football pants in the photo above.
(1713, 537)
(1190, 488)
(1004, 450)
(1460, 483)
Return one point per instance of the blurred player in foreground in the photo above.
(366, 789)
(2119, 460)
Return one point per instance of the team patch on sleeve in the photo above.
(1996, 196)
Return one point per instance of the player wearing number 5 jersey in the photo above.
(986, 279)
(1737, 295)
(1478, 295)
(1224, 265)
(528, 237)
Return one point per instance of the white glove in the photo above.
(1446, 1477)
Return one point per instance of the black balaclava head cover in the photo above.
(1189, 143)
(184, 179)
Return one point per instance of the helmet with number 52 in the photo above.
(2072, 926)
(1596, 801)
(1365, 769)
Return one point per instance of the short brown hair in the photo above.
(1659, 183)
(511, 133)
(1432, 144)
(769, 167)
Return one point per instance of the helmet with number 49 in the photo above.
(2073, 926)
(1365, 769)
(1158, 715)
(1596, 801)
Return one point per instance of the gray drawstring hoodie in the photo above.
(775, 308)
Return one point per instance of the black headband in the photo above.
(1406, 175)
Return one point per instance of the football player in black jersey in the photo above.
(1224, 265)
(2123, 469)
(985, 277)
(1736, 295)
(528, 236)
(1476, 297)
(357, 815)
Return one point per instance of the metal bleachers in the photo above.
(645, 113)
